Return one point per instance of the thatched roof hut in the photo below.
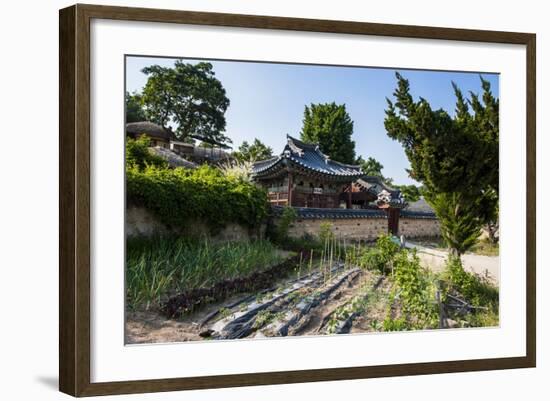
(173, 159)
(152, 130)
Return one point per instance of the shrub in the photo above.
(239, 170)
(304, 244)
(138, 154)
(178, 195)
(399, 324)
(325, 232)
(469, 285)
(380, 257)
(371, 258)
(388, 249)
(416, 292)
(288, 216)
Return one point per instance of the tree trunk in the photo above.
(455, 253)
(492, 230)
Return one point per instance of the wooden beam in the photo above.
(348, 205)
(290, 188)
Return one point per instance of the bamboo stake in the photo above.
(300, 265)
(331, 258)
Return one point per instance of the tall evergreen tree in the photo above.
(331, 127)
(371, 166)
(455, 158)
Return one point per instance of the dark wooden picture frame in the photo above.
(74, 204)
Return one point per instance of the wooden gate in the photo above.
(393, 221)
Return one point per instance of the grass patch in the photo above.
(488, 318)
(486, 247)
(156, 267)
(476, 289)
(434, 243)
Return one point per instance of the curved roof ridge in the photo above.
(309, 157)
(379, 181)
(270, 159)
(347, 165)
(294, 142)
(299, 143)
(265, 164)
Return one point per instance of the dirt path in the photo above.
(483, 265)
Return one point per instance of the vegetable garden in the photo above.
(254, 290)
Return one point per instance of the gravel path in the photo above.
(435, 260)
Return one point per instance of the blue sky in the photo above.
(268, 99)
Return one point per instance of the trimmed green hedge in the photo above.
(178, 195)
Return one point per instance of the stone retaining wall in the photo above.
(141, 222)
(419, 228)
(366, 229)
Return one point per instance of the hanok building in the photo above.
(166, 145)
(302, 176)
(305, 178)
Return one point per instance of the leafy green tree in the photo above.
(455, 158)
(188, 97)
(134, 110)
(253, 152)
(331, 127)
(411, 193)
(371, 166)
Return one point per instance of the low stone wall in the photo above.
(141, 222)
(352, 229)
(419, 228)
(365, 229)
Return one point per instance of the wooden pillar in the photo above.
(290, 189)
(348, 203)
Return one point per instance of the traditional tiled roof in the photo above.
(375, 185)
(419, 209)
(327, 213)
(420, 206)
(311, 213)
(411, 214)
(301, 155)
(388, 199)
(385, 193)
